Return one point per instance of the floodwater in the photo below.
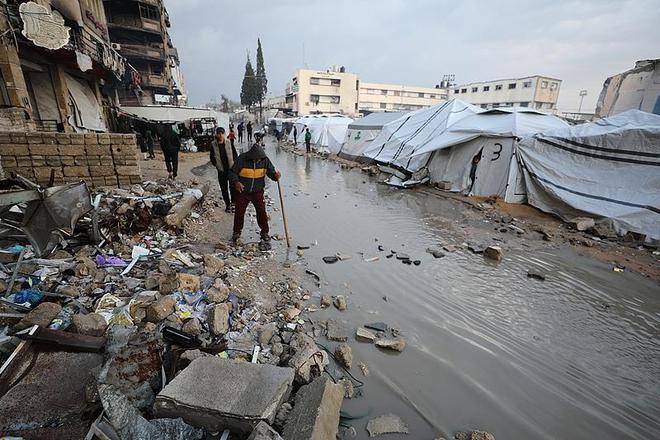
(574, 357)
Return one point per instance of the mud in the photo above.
(574, 356)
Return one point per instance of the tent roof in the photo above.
(376, 120)
(628, 120)
(171, 114)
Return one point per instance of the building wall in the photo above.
(637, 88)
(393, 97)
(98, 159)
(315, 91)
(538, 92)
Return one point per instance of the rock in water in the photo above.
(536, 274)
(493, 253)
(340, 302)
(386, 424)
(364, 335)
(481, 435)
(344, 355)
(337, 331)
(391, 344)
(326, 300)
(330, 259)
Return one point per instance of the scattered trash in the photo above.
(386, 424)
(330, 259)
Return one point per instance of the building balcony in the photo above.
(139, 51)
(155, 81)
(136, 24)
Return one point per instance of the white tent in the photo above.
(172, 114)
(400, 139)
(362, 131)
(609, 168)
(490, 135)
(328, 131)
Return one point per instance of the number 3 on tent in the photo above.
(497, 153)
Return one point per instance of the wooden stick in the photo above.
(286, 227)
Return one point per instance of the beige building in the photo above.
(537, 92)
(378, 97)
(336, 91)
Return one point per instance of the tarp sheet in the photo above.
(362, 131)
(88, 110)
(609, 168)
(172, 114)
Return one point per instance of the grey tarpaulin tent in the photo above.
(362, 131)
(609, 168)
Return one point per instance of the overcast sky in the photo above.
(414, 42)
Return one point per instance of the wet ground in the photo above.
(575, 356)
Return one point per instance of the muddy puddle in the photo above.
(575, 356)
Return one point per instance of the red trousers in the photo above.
(242, 200)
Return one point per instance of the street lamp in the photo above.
(583, 93)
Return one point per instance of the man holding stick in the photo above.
(248, 176)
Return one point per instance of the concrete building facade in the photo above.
(536, 92)
(337, 91)
(60, 77)
(139, 31)
(378, 97)
(637, 88)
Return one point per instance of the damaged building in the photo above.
(637, 88)
(139, 31)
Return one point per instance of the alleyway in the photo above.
(574, 356)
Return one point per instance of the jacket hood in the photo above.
(255, 153)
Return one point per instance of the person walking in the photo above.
(248, 128)
(308, 140)
(223, 156)
(248, 176)
(170, 144)
(232, 135)
(295, 135)
(240, 129)
(149, 141)
(473, 170)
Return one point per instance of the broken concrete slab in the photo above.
(344, 355)
(365, 335)
(188, 282)
(41, 315)
(91, 324)
(337, 331)
(378, 326)
(386, 424)
(161, 309)
(218, 319)
(264, 432)
(219, 394)
(309, 360)
(493, 253)
(582, 223)
(397, 344)
(315, 415)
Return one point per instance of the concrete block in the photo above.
(106, 160)
(97, 150)
(136, 179)
(123, 170)
(67, 161)
(129, 139)
(27, 172)
(63, 138)
(53, 161)
(264, 432)
(15, 150)
(48, 138)
(23, 161)
(77, 139)
(76, 171)
(8, 161)
(315, 415)
(80, 160)
(91, 139)
(219, 394)
(101, 171)
(111, 181)
(34, 138)
(43, 149)
(18, 138)
(38, 161)
(70, 150)
(42, 174)
(104, 139)
(94, 160)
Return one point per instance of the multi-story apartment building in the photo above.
(139, 31)
(332, 91)
(537, 92)
(58, 70)
(337, 91)
(377, 97)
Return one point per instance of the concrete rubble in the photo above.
(315, 413)
(193, 342)
(386, 424)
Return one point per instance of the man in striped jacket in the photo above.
(249, 179)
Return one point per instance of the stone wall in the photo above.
(13, 119)
(99, 159)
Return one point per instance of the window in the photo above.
(512, 86)
(335, 82)
(456, 91)
(432, 96)
(495, 105)
(357, 84)
(475, 89)
(486, 88)
(498, 87)
(383, 105)
(397, 93)
(383, 92)
(553, 85)
(420, 95)
(508, 104)
(149, 12)
(315, 81)
(463, 90)
(544, 84)
(4, 96)
(484, 105)
(335, 99)
(524, 104)
(314, 99)
(539, 104)
(527, 84)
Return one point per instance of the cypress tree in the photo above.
(249, 85)
(261, 81)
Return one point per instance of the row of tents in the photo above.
(609, 168)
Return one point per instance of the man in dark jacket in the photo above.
(223, 156)
(170, 144)
(249, 179)
(248, 128)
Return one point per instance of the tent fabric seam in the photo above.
(598, 156)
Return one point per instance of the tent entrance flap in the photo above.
(493, 168)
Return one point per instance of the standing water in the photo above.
(574, 357)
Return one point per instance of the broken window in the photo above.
(421, 95)
(486, 88)
(498, 87)
(149, 12)
(314, 99)
(314, 81)
(383, 105)
(544, 84)
(475, 89)
(463, 90)
(455, 91)
(383, 92)
(335, 82)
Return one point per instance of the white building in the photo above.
(537, 92)
(637, 88)
(337, 91)
(378, 97)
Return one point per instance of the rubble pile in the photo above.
(189, 343)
